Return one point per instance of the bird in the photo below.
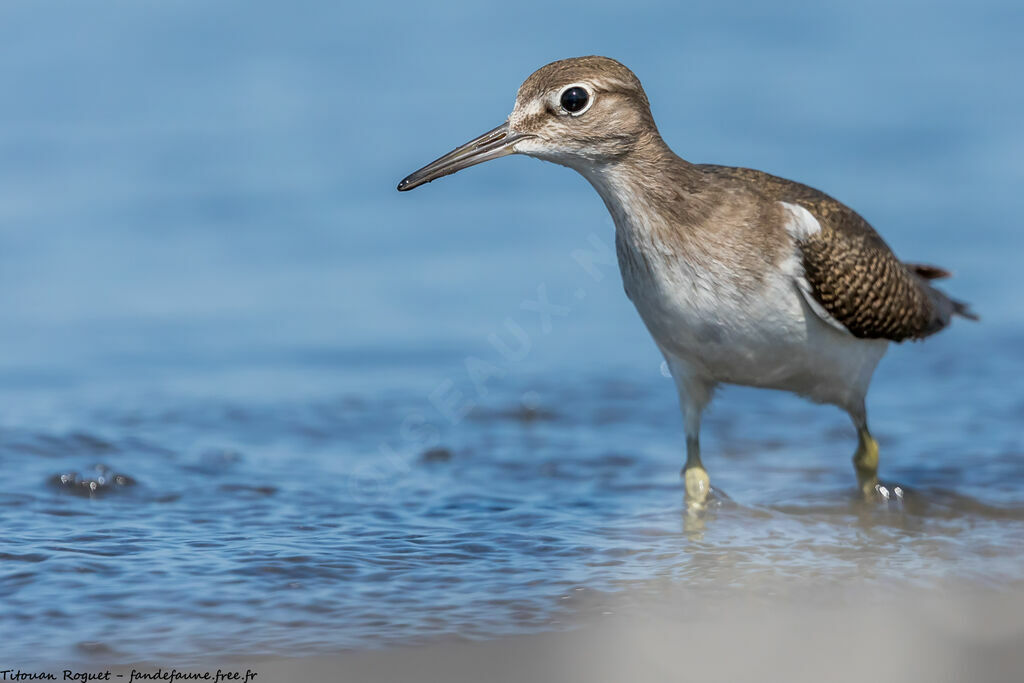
(741, 277)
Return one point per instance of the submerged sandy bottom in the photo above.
(663, 632)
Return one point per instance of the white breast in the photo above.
(726, 329)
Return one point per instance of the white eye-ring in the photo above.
(575, 99)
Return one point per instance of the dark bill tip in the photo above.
(491, 145)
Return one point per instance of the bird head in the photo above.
(583, 113)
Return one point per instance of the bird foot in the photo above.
(698, 485)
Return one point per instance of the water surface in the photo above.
(250, 396)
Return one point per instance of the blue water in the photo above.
(282, 368)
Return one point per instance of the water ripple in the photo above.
(245, 531)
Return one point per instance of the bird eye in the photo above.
(575, 99)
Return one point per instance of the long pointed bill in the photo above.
(491, 145)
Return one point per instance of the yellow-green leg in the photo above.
(694, 394)
(698, 484)
(865, 460)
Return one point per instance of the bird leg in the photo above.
(865, 461)
(694, 475)
(694, 394)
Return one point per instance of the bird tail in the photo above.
(929, 272)
(946, 305)
(963, 309)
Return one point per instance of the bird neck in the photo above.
(650, 189)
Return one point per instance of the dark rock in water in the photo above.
(99, 480)
(526, 414)
(436, 455)
(252, 489)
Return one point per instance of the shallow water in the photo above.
(250, 397)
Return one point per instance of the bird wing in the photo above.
(852, 274)
(851, 278)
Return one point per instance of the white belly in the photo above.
(757, 334)
(718, 323)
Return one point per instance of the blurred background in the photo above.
(209, 286)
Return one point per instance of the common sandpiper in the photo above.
(741, 277)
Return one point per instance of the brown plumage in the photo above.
(741, 277)
(853, 273)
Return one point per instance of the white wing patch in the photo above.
(801, 225)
